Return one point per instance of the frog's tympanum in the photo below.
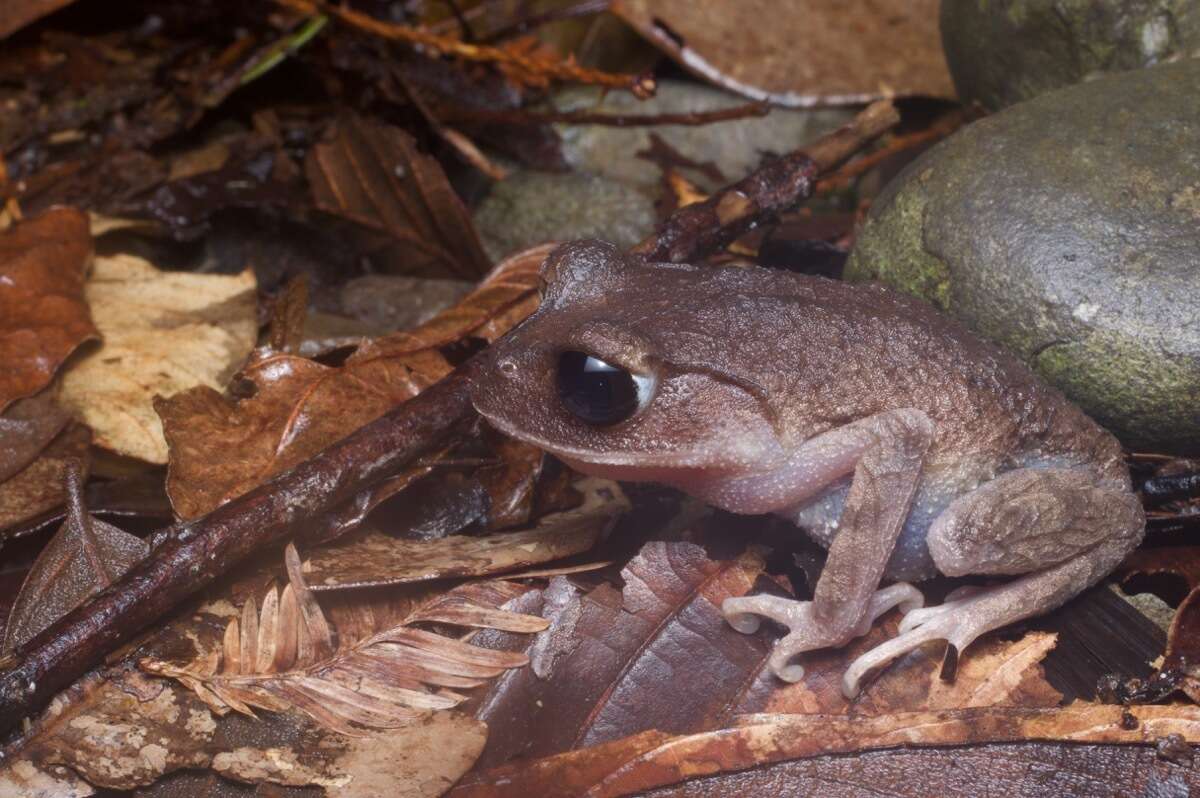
(896, 438)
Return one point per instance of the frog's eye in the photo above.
(599, 393)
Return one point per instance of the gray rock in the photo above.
(735, 147)
(529, 208)
(1068, 229)
(1004, 52)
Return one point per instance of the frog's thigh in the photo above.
(1028, 519)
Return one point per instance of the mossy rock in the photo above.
(1004, 51)
(1067, 228)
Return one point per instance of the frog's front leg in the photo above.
(885, 454)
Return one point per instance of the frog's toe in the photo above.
(806, 633)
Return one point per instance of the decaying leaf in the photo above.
(374, 175)
(283, 657)
(85, 556)
(164, 332)
(638, 763)
(378, 559)
(221, 449)
(803, 53)
(43, 315)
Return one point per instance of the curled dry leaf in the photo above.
(374, 175)
(378, 559)
(810, 53)
(636, 764)
(221, 448)
(164, 332)
(85, 556)
(43, 315)
(283, 657)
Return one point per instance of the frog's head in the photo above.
(617, 374)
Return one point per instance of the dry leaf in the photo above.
(374, 175)
(16, 14)
(283, 657)
(221, 449)
(85, 556)
(378, 559)
(640, 763)
(805, 52)
(38, 488)
(164, 332)
(43, 316)
(26, 428)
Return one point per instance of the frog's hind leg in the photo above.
(1061, 529)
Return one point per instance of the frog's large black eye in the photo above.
(597, 392)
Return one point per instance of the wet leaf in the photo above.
(1183, 646)
(84, 557)
(373, 174)
(810, 53)
(43, 315)
(164, 332)
(283, 658)
(642, 762)
(378, 559)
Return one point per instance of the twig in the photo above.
(532, 118)
(941, 128)
(187, 557)
(710, 225)
(529, 69)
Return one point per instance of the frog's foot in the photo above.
(805, 632)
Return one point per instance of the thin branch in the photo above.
(528, 68)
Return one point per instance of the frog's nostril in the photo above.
(507, 367)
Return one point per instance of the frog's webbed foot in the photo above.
(805, 632)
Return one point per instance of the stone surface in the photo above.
(529, 208)
(735, 147)
(1004, 52)
(1068, 229)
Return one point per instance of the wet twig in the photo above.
(532, 118)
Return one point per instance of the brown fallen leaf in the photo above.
(84, 557)
(26, 428)
(374, 175)
(16, 14)
(38, 488)
(284, 658)
(657, 655)
(164, 332)
(43, 315)
(1183, 646)
(221, 448)
(642, 762)
(803, 53)
(377, 559)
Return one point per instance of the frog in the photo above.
(905, 444)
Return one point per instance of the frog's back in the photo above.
(829, 352)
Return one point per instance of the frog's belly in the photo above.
(910, 560)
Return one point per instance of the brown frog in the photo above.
(890, 433)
